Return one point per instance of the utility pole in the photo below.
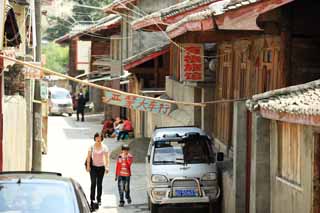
(37, 106)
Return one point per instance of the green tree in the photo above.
(80, 14)
(57, 57)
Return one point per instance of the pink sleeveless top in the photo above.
(98, 155)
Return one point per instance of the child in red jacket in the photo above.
(123, 173)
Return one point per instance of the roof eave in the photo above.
(144, 58)
(302, 119)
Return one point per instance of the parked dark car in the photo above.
(41, 192)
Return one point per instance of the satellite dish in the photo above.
(213, 64)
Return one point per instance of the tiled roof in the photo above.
(183, 6)
(216, 8)
(103, 23)
(176, 9)
(146, 53)
(302, 99)
(234, 4)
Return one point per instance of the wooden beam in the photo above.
(215, 36)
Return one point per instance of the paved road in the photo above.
(68, 142)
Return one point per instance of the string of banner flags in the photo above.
(33, 70)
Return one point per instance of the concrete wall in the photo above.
(95, 96)
(228, 188)
(260, 165)
(240, 153)
(286, 197)
(14, 134)
(183, 115)
(145, 40)
(150, 6)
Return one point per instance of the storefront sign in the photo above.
(137, 103)
(32, 73)
(192, 66)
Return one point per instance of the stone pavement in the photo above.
(68, 142)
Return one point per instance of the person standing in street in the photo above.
(80, 106)
(123, 173)
(99, 154)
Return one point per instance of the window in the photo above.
(186, 151)
(289, 142)
(243, 73)
(267, 56)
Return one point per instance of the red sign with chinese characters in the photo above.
(192, 62)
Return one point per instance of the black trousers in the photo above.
(80, 111)
(96, 175)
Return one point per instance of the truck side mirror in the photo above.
(220, 156)
(148, 159)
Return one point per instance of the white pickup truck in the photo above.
(181, 168)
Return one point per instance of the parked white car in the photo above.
(60, 101)
(181, 168)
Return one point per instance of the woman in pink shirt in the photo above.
(99, 153)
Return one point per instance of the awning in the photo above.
(123, 78)
(106, 61)
(63, 39)
(105, 78)
(145, 56)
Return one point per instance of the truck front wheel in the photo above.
(154, 208)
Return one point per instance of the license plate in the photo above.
(186, 193)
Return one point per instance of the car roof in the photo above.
(163, 132)
(53, 89)
(33, 176)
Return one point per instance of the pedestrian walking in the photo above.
(80, 106)
(123, 173)
(99, 154)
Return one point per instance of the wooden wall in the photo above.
(99, 48)
(246, 67)
(73, 57)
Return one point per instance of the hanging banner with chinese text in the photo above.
(32, 73)
(192, 63)
(137, 103)
(9, 52)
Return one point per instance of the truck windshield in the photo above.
(60, 95)
(186, 151)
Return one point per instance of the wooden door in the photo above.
(316, 175)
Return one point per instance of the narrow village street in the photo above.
(68, 142)
(216, 101)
